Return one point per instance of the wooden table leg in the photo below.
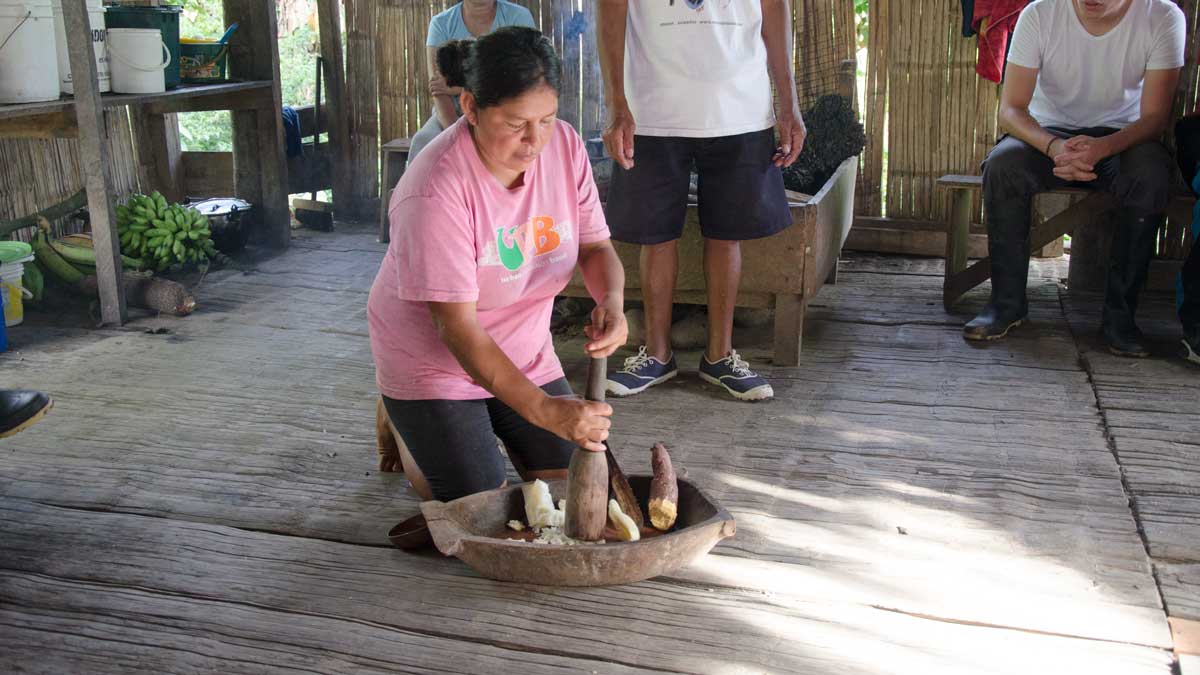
(385, 197)
(957, 241)
(789, 328)
(394, 164)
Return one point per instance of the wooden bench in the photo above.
(783, 271)
(394, 157)
(1079, 217)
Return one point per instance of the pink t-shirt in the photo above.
(458, 235)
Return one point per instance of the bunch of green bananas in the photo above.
(163, 234)
(71, 257)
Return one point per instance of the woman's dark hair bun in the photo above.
(452, 61)
(501, 65)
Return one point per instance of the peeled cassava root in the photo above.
(160, 295)
(539, 506)
(664, 490)
(626, 529)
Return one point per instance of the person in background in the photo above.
(466, 20)
(1087, 96)
(487, 227)
(690, 84)
(21, 409)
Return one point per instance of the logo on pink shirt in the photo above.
(522, 243)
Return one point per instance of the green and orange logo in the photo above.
(522, 243)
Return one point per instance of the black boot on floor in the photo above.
(20, 409)
(1008, 249)
(1132, 249)
(992, 324)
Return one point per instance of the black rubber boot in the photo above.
(1129, 262)
(19, 409)
(1008, 249)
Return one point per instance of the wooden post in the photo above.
(260, 164)
(158, 150)
(93, 150)
(363, 90)
(337, 103)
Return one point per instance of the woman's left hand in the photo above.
(607, 332)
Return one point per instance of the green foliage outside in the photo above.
(860, 14)
(298, 50)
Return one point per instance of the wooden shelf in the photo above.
(184, 98)
(260, 168)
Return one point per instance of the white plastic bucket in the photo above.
(136, 59)
(28, 64)
(12, 293)
(95, 10)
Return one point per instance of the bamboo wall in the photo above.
(39, 173)
(925, 101)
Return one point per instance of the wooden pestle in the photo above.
(587, 475)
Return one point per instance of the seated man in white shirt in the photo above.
(1087, 95)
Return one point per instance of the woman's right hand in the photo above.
(585, 423)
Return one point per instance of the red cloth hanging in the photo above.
(994, 21)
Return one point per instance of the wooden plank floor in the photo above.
(204, 497)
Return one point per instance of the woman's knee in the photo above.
(451, 443)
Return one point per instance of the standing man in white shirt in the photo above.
(688, 84)
(1087, 95)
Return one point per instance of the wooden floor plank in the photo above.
(55, 625)
(245, 455)
(243, 585)
(899, 467)
(1150, 407)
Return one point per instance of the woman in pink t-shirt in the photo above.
(487, 227)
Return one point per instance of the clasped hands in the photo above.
(1075, 158)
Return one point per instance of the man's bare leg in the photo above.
(722, 275)
(659, 266)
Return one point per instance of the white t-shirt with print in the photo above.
(697, 68)
(1086, 80)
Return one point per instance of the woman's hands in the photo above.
(607, 332)
(584, 423)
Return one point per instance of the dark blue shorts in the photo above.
(740, 189)
(454, 442)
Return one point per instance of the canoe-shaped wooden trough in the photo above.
(474, 530)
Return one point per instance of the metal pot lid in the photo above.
(221, 206)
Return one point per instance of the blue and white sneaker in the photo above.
(641, 372)
(735, 376)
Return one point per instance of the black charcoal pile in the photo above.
(834, 133)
